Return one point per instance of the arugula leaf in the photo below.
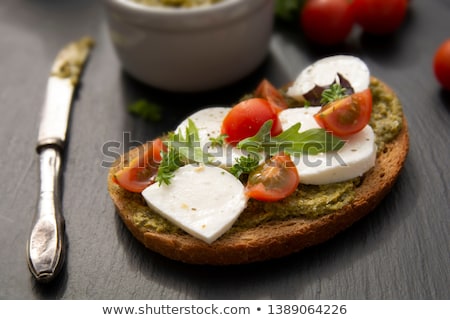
(181, 150)
(188, 146)
(146, 110)
(291, 141)
(218, 141)
(316, 141)
(259, 142)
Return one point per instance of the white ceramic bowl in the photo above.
(190, 49)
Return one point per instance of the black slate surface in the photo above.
(399, 251)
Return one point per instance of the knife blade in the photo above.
(46, 244)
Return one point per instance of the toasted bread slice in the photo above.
(272, 239)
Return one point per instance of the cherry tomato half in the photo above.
(327, 22)
(246, 118)
(141, 171)
(267, 91)
(273, 180)
(441, 64)
(346, 116)
(380, 16)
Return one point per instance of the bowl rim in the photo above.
(171, 11)
(181, 19)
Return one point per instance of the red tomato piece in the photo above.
(346, 116)
(380, 16)
(327, 22)
(141, 171)
(274, 180)
(246, 118)
(441, 64)
(267, 91)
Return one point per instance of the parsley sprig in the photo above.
(291, 141)
(146, 110)
(170, 162)
(334, 92)
(244, 165)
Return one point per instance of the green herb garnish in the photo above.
(188, 145)
(291, 141)
(288, 10)
(182, 149)
(244, 165)
(334, 92)
(170, 162)
(218, 141)
(146, 110)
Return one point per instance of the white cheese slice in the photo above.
(324, 72)
(209, 123)
(305, 116)
(204, 201)
(355, 158)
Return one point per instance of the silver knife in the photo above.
(46, 245)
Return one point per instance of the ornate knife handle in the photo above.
(46, 247)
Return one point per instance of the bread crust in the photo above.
(274, 239)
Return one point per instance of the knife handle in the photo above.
(46, 247)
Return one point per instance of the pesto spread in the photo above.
(309, 201)
(177, 3)
(387, 115)
(71, 59)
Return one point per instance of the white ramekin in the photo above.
(190, 49)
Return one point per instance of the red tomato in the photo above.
(346, 116)
(274, 180)
(327, 22)
(141, 171)
(441, 64)
(246, 118)
(380, 16)
(267, 91)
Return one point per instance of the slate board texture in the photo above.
(399, 251)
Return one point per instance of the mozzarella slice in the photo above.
(305, 116)
(324, 72)
(355, 158)
(204, 201)
(209, 123)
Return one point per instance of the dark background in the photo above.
(399, 251)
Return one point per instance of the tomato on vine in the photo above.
(441, 64)
(380, 16)
(327, 22)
